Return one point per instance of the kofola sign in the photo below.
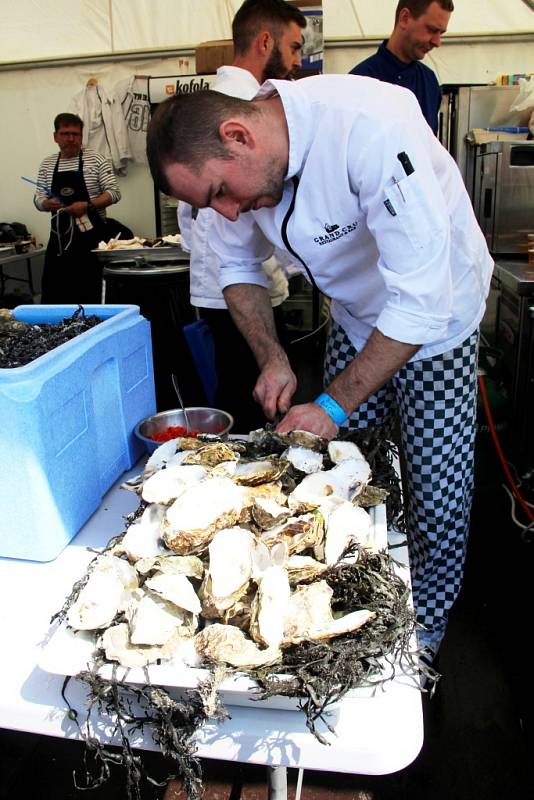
(167, 85)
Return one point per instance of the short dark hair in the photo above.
(184, 129)
(64, 119)
(256, 15)
(418, 7)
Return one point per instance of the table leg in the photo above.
(30, 275)
(277, 782)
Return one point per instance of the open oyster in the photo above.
(193, 519)
(228, 644)
(107, 592)
(167, 484)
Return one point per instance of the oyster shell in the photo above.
(228, 644)
(162, 455)
(257, 471)
(117, 646)
(344, 480)
(304, 458)
(309, 615)
(153, 621)
(209, 455)
(265, 438)
(345, 525)
(302, 568)
(143, 537)
(298, 533)
(190, 566)
(177, 589)
(107, 591)
(230, 562)
(371, 496)
(193, 519)
(269, 607)
(340, 450)
(267, 513)
(167, 484)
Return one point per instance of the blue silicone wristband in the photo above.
(332, 408)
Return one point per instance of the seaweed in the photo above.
(21, 343)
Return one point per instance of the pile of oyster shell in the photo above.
(213, 567)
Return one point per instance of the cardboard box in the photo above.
(209, 56)
(67, 427)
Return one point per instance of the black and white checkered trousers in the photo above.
(435, 400)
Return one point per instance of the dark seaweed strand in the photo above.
(149, 709)
(23, 347)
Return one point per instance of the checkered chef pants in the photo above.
(435, 399)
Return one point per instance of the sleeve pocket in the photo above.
(413, 211)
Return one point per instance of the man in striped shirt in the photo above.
(74, 186)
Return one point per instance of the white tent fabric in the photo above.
(33, 29)
(32, 93)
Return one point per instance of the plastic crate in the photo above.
(67, 426)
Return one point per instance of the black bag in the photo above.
(21, 230)
(7, 234)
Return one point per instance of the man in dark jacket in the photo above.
(419, 25)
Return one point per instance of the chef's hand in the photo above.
(77, 209)
(274, 388)
(308, 417)
(50, 204)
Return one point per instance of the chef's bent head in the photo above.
(209, 150)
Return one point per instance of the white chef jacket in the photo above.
(204, 273)
(104, 128)
(396, 251)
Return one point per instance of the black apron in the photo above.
(71, 272)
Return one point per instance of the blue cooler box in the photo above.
(67, 422)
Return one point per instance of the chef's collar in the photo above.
(298, 127)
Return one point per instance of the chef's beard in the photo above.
(275, 67)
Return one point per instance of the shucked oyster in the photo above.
(309, 615)
(209, 455)
(167, 484)
(230, 562)
(346, 524)
(254, 472)
(344, 480)
(117, 646)
(298, 533)
(107, 592)
(229, 645)
(190, 566)
(304, 458)
(193, 519)
(269, 607)
(177, 589)
(340, 450)
(153, 621)
(143, 537)
(265, 438)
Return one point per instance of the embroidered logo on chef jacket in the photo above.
(334, 232)
(66, 191)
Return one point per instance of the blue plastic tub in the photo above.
(67, 427)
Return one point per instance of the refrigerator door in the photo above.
(514, 211)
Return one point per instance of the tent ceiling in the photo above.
(38, 29)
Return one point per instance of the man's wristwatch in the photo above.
(90, 206)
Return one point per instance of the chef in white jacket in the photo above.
(344, 173)
(267, 37)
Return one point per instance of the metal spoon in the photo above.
(179, 396)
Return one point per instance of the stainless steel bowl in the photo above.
(201, 420)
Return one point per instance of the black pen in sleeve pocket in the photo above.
(406, 163)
